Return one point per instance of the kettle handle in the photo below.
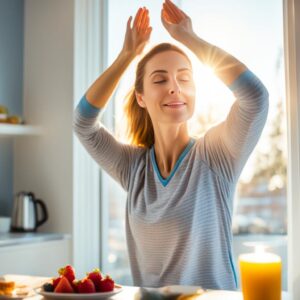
(44, 212)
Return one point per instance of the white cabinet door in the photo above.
(41, 259)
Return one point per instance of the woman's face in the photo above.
(169, 89)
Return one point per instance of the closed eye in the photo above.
(160, 81)
(184, 78)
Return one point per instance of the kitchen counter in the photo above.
(12, 238)
(128, 293)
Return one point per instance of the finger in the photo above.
(137, 16)
(129, 23)
(148, 32)
(169, 2)
(164, 19)
(142, 16)
(145, 19)
(174, 10)
(146, 24)
(177, 8)
(169, 14)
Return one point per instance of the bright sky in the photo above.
(251, 30)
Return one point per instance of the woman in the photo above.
(180, 189)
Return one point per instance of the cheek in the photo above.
(190, 93)
(152, 96)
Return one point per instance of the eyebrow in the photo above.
(165, 71)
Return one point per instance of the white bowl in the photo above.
(5, 224)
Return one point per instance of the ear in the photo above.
(140, 100)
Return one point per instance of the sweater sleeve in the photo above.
(228, 145)
(114, 157)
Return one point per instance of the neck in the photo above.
(170, 141)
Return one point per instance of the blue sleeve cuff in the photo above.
(242, 80)
(86, 109)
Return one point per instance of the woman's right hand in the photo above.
(138, 35)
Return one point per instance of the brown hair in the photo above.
(139, 125)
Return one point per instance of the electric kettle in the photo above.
(28, 213)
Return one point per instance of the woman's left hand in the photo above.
(176, 22)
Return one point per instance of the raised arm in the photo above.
(136, 38)
(179, 26)
(114, 157)
(227, 146)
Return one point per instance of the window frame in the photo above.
(291, 19)
(90, 60)
(90, 27)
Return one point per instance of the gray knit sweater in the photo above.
(178, 229)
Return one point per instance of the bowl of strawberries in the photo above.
(65, 286)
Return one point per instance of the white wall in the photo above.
(44, 164)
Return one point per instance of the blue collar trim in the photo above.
(165, 181)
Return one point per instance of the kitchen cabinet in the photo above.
(42, 258)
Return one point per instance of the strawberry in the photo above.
(68, 271)
(96, 277)
(86, 286)
(64, 286)
(55, 281)
(75, 285)
(107, 284)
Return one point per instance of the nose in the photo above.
(174, 88)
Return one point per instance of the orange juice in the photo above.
(260, 276)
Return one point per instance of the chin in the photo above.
(174, 117)
(178, 119)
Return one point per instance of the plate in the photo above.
(95, 296)
(6, 297)
(16, 297)
(170, 292)
(181, 289)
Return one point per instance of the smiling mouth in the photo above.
(175, 105)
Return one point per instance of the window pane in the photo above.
(253, 32)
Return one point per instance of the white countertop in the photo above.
(128, 293)
(12, 238)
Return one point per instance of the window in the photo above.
(253, 32)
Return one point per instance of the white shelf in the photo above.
(19, 130)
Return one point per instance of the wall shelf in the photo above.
(7, 130)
